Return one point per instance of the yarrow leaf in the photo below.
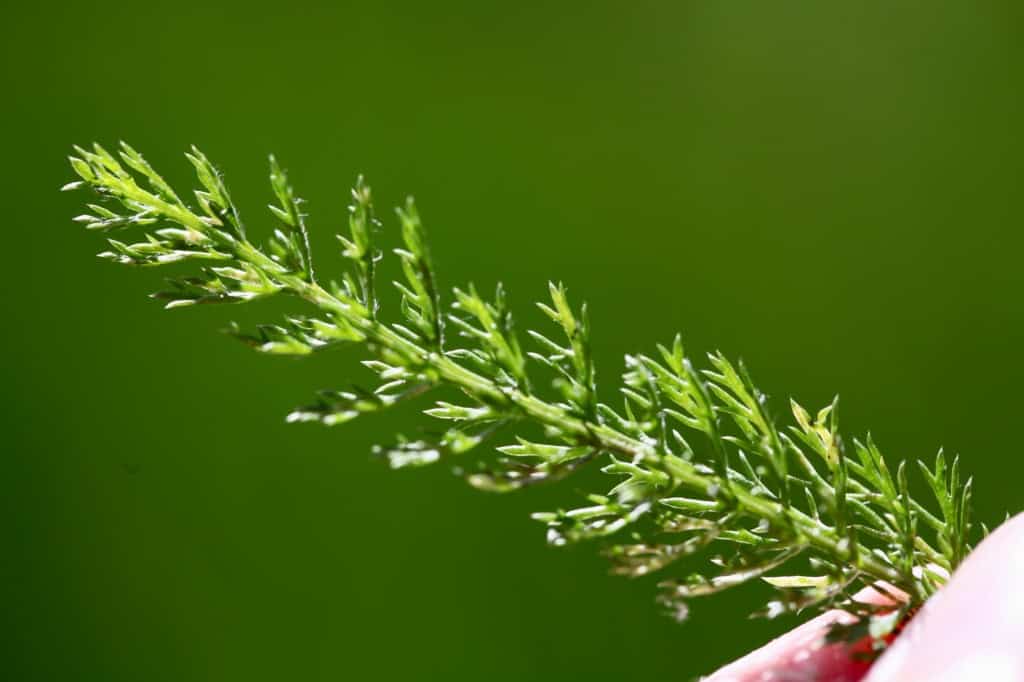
(697, 459)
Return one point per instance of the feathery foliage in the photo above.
(698, 461)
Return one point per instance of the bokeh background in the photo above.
(829, 190)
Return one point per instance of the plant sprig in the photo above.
(698, 459)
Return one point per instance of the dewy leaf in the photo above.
(698, 458)
(554, 454)
(797, 581)
(421, 300)
(216, 196)
(289, 212)
(358, 246)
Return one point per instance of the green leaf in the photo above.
(289, 211)
(760, 492)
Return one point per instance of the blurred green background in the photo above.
(830, 190)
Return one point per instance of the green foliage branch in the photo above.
(699, 461)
